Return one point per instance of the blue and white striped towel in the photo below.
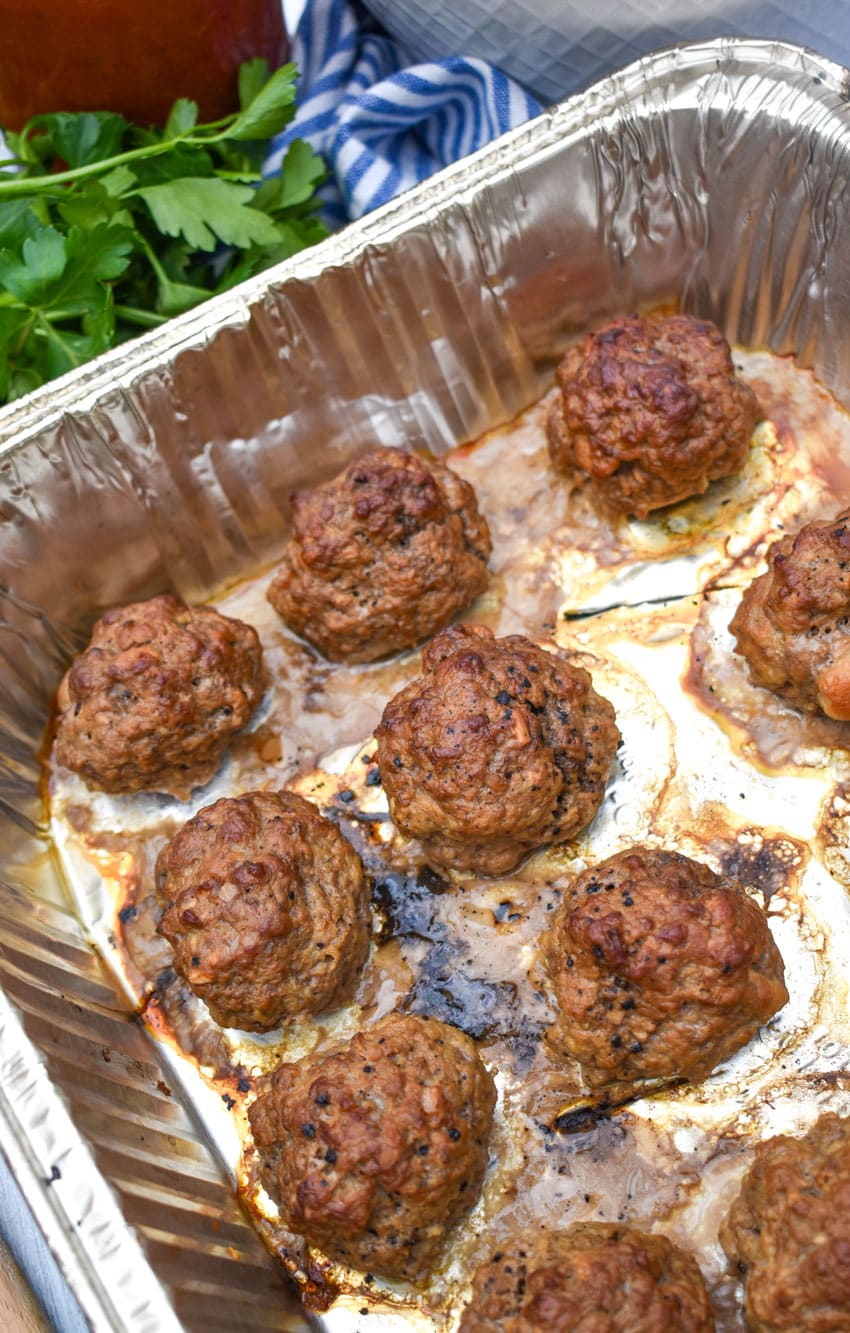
(381, 123)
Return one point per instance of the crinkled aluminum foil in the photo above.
(713, 175)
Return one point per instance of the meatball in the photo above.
(266, 908)
(651, 411)
(793, 623)
(660, 969)
(597, 1277)
(497, 748)
(375, 1149)
(789, 1231)
(381, 557)
(153, 701)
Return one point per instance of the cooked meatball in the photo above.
(793, 623)
(153, 701)
(381, 557)
(497, 748)
(660, 969)
(593, 1278)
(375, 1149)
(266, 908)
(789, 1231)
(651, 411)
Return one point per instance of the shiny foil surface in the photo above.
(711, 177)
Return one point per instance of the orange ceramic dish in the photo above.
(119, 55)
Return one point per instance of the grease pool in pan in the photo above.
(644, 608)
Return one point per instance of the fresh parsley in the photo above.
(107, 228)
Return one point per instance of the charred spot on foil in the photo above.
(404, 902)
(444, 986)
(580, 1118)
(768, 863)
(318, 1292)
(483, 1009)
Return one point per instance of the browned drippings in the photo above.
(708, 767)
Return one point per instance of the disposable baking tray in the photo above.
(711, 176)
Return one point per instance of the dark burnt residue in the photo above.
(404, 902)
(764, 861)
(417, 911)
(603, 1108)
(580, 1119)
(318, 1292)
(311, 1278)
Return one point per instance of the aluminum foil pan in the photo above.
(713, 176)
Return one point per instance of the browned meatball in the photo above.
(650, 409)
(789, 1232)
(793, 624)
(153, 701)
(660, 969)
(497, 748)
(266, 908)
(593, 1278)
(381, 556)
(375, 1149)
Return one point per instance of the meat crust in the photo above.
(374, 1150)
(789, 1232)
(660, 969)
(497, 748)
(651, 411)
(594, 1278)
(793, 623)
(153, 701)
(381, 557)
(266, 909)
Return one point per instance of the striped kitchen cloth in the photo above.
(381, 123)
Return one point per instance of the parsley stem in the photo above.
(61, 346)
(146, 319)
(22, 337)
(47, 183)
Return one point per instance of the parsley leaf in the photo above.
(17, 222)
(42, 260)
(301, 172)
(269, 109)
(107, 228)
(79, 139)
(253, 76)
(203, 211)
(183, 116)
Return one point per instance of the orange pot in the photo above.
(132, 56)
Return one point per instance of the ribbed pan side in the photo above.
(170, 1194)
